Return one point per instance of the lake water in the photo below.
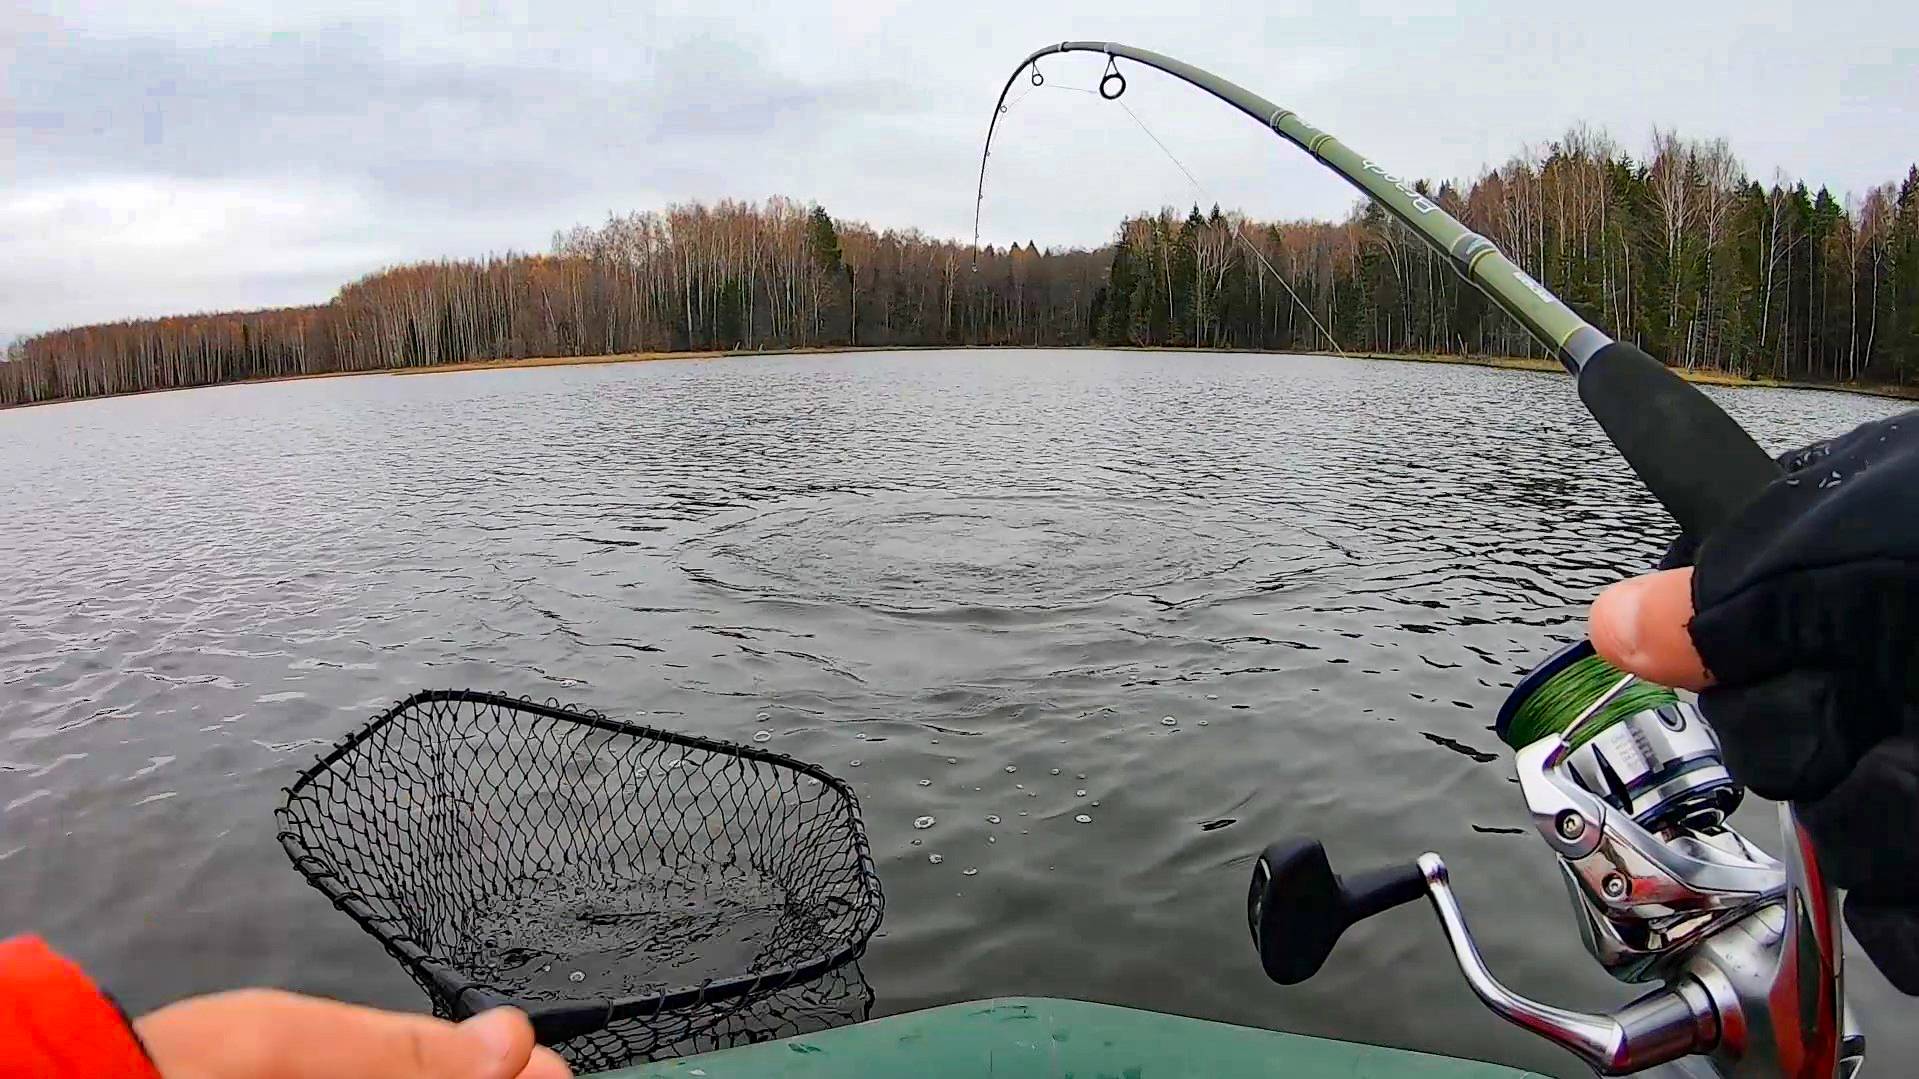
(975, 584)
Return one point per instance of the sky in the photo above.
(169, 156)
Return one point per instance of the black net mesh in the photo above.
(675, 891)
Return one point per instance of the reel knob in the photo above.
(1297, 907)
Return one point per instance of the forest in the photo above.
(1677, 250)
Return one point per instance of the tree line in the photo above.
(1679, 251)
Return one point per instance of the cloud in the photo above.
(280, 152)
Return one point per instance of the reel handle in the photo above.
(1297, 907)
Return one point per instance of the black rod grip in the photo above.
(1700, 464)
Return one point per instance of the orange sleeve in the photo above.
(55, 1022)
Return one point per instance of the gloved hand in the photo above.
(1799, 624)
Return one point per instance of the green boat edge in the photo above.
(1045, 1038)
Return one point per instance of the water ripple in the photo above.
(988, 577)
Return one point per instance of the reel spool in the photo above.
(1648, 754)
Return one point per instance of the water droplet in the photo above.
(936, 858)
(970, 871)
(577, 976)
(1084, 819)
(853, 764)
(990, 839)
(926, 782)
(1055, 771)
(923, 823)
(762, 736)
(1019, 786)
(992, 818)
(976, 788)
(1079, 794)
(1012, 768)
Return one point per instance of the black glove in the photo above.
(1807, 614)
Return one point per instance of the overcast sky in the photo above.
(166, 156)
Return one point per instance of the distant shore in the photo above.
(1510, 363)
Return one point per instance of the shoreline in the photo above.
(1506, 363)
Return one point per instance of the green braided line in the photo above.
(1565, 695)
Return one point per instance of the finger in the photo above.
(1889, 935)
(1640, 625)
(546, 1064)
(1787, 738)
(1877, 797)
(266, 1034)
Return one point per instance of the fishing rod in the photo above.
(1699, 463)
(1623, 779)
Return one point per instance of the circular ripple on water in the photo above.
(1010, 552)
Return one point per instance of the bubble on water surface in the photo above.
(1084, 818)
(970, 871)
(1169, 721)
(992, 818)
(1012, 768)
(762, 736)
(577, 976)
(853, 763)
(923, 823)
(1055, 771)
(926, 782)
(936, 858)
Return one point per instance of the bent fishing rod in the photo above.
(1623, 779)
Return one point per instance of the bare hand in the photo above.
(267, 1034)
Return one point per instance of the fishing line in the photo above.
(1207, 196)
(1567, 695)
(1114, 79)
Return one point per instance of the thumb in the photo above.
(266, 1034)
(1641, 626)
